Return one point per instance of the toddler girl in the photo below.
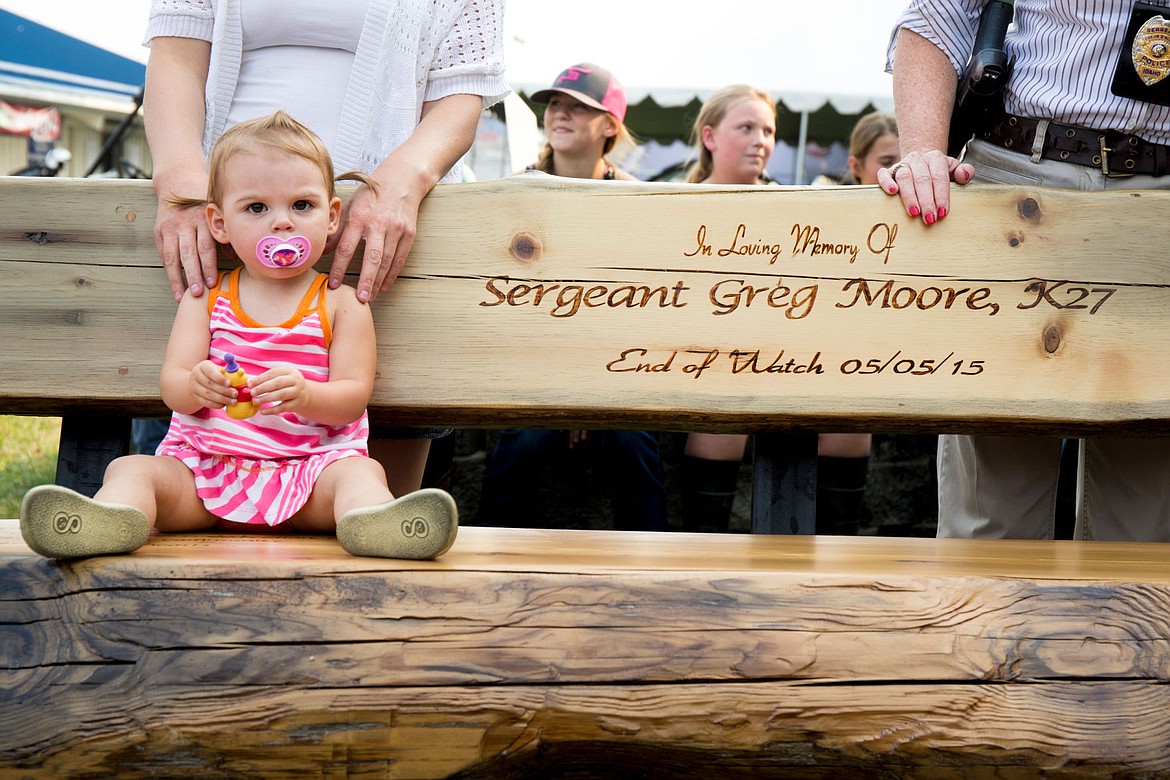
(285, 447)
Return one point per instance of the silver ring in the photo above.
(893, 169)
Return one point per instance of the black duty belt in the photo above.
(1115, 154)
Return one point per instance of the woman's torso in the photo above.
(297, 56)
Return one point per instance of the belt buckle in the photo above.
(1105, 150)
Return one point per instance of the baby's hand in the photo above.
(280, 389)
(210, 387)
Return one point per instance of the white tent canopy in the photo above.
(809, 55)
(805, 53)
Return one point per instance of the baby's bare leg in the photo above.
(161, 487)
(404, 461)
(346, 484)
(139, 492)
(351, 498)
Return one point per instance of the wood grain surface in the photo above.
(537, 654)
(525, 653)
(555, 302)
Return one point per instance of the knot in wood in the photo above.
(1029, 209)
(1051, 339)
(619, 726)
(525, 246)
(123, 370)
(41, 237)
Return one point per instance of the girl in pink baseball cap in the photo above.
(583, 121)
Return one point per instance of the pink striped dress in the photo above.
(261, 470)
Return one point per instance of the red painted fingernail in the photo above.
(892, 189)
(928, 219)
(914, 211)
(941, 212)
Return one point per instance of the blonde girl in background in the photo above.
(733, 136)
(843, 458)
(872, 145)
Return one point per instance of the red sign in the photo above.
(39, 124)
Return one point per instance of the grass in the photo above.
(28, 456)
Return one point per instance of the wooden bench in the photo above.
(544, 302)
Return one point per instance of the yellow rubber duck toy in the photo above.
(244, 407)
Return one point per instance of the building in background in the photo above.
(59, 92)
(56, 90)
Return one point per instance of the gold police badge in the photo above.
(1151, 50)
(1143, 61)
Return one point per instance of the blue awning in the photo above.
(38, 63)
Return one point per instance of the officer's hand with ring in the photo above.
(923, 179)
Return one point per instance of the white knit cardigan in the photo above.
(410, 52)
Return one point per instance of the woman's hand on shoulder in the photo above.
(386, 220)
(173, 114)
(923, 179)
(183, 239)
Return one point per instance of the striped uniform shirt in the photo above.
(263, 468)
(1066, 52)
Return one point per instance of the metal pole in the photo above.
(801, 144)
(116, 135)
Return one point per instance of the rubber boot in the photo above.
(708, 493)
(840, 493)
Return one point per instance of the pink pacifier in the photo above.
(283, 252)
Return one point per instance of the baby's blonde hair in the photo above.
(277, 131)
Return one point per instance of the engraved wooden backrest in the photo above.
(545, 301)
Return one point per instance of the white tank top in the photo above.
(297, 56)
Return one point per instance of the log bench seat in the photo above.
(525, 653)
(538, 302)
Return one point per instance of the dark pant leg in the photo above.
(637, 480)
(708, 493)
(513, 472)
(840, 494)
(148, 432)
